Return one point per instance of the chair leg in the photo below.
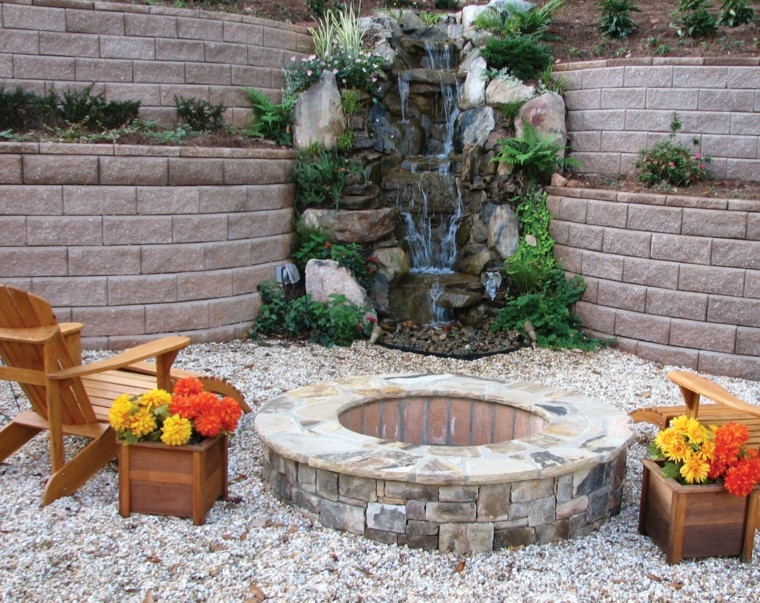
(13, 437)
(82, 467)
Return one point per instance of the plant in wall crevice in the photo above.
(270, 120)
(320, 174)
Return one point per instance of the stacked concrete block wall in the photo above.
(137, 241)
(460, 518)
(145, 53)
(675, 279)
(615, 108)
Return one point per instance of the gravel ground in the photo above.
(252, 546)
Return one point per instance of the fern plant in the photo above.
(270, 120)
(537, 155)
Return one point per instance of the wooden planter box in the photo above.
(696, 521)
(183, 481)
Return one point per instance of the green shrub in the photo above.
(616, 21)
(691, 19)
(314, 244)
(335, 322)
(270, 120)
(447, 4)
(671, 163)
(524, 57)
(735, 12)
(319, 175)
(18, 109)
(199, 115)
(538, 156)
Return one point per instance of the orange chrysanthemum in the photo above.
(188, 386)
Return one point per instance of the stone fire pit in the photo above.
(446, 462)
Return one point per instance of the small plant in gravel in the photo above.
(669, 162)
(616, 21)
(692, 19)
(735, 12)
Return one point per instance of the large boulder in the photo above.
(474, 88)
(343, 226)
(503, 232)
(326, 277)
(318, 116)
(546, 113)
(475, 126)
(392, 262)
(501, 92)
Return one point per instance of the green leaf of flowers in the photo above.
(672, 470)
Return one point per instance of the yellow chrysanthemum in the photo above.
(143, 422)
(695, 470)
(672, 444)
(118, 415)
(176, 431)
(696, 432)
(155, 398)
(680, 424)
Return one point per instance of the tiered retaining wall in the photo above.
(615, 108)
(134, 241)
(145, 53)
(675, 279)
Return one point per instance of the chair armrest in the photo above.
(29, 334)
(709, 389)
(152, 349)
(72, 335)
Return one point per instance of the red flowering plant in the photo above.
(697, 454)
(186, 416)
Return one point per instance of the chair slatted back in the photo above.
(20, 309)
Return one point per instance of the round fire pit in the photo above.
(446, 462)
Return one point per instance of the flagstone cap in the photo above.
(579, 432)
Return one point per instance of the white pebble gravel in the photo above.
(80, 549)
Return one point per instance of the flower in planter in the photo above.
(187, 416)
(697, 454)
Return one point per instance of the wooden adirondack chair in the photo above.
(725, 407)
(69, 398)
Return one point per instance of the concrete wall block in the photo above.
(748, 341)
(227, 255)
(60, 169)
(179, 51)
(747, 124)
(30, 67)
(14, 231)
(199, 228)
(678, 248)
(137, 230)
(585, 237)
(31, 200)
(624, 98)
(572, 209)
(727, 100)
(229, 97)
(583, 100)
(200, 29)
(39, 18)
(742, 147)
(103, 70)
(202, 73)
(733, 310)
(648, 77)
(159, 73)
(10, 169)
(602, 266)
(142, 289)
(19, 42)
(596, 119)
(195, 172)
(150, 26)
(606, 77)
(715, 223)
(227, 199)
(160, 259)
(252, 77)
(176, 317)
(706, 122)
(30, 262)
(279, 38)
(738, 169)
(598, 163)
(69, 45)
(229, 54)
(668, 355)
(677, 304)
(94, 22)
(558, 230)
(622, 295)
(627, 243)
(642, 327)
(663, 275)
(118, 47)
(751, 286)
(647, 120)
(675, 99)
(585, 141)
(700, 77)
(708, 279)
(570, 259)
(655, 219)
(63, 230)
(596, 318)
(703, 336)
(731, 365)
(168, 200)
(240, 309)
(736, 254)
(73, 291)
(623, 142)
(743, 77)
(110, 321)
(134, 171)
(592, 288)
(244, 33)
(96, 261)
(256, 171)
